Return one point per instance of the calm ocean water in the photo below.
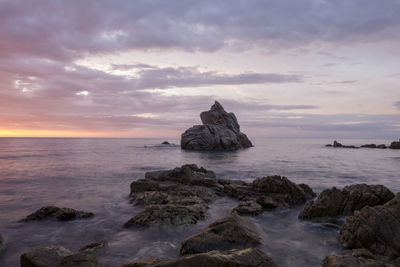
(95, 174)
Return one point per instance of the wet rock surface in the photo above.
(220, 131)
(93, 247)
(374, 228)
(343, 202)
(239, 258)
(268, 192)
(53, 212)
(395, 145)
(232, 232)
(358, 258)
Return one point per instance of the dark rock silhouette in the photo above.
(337, 144)
(335, 202)
(53, 212)
(395, 145)
(220, 131)
(1, 242)
(232, 232)
(374, 228)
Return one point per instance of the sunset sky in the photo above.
(286, 68)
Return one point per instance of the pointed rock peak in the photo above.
(217, 106)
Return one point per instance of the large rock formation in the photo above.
(374, 228)
(61, 214)
(220, 131)
(233, 232)
(335, 202)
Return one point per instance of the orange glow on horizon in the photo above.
(136, 133)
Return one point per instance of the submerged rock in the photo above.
(335, 202)
(269, 192)
(232, 232)
(168, 215)
(374, 228)
(356, 258)
(61, 214)
(238, 258)
(395, 145)
(220, 131)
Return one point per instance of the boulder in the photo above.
(248, 208)
(374, 228)
(173, 215)
(61, 214)
(79, 260)
(335, 202)
(220, 131)
(395, 145)
(356, 258)
(45, 257)
(232, 232)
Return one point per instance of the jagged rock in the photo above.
(335, 202)
(93, 247)
(168, 215)
(248, 208)
(61, 214)
(232, 232)
(269, 192)
(374, 228)
(395, 145)
(237, 258)
(356, 258)
(337, 144)
(220, 131)
(45, 257)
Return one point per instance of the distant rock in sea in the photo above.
(395, 145)
(220, 131)
(337, 144)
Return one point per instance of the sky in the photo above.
(286, 68)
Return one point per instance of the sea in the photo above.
(94, 174)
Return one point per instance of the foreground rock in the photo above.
(56, 256)
(238, 258)
(335, 202)
(175, 197)
(395, 145)
(374, 228)
(232, 232)
(61, 214)
(268, 192)
(358, 258)
(220, 131)
(1, 242)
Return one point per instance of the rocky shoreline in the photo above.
(181, 196)
(393, 145)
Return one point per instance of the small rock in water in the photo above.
(232, 232)
(395, 145)
(165, 143)
(248, 208)
(61, 214)
(220, 131)
(238, 258)
(337, 144)
(335, 202)
(374, 228)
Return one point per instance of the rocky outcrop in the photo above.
(358, 258)
(374, 228)
(1, 242)
(56, 256)
(232, 232)
(335, 202)
(238, 258)
(93, 247)
(61, 214)
(153, 215)
(337, 144)
(382, 146)
(395, 145)
(220, 131)
(268, 192)
(174, 197)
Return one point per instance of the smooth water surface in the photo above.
(95, 174)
